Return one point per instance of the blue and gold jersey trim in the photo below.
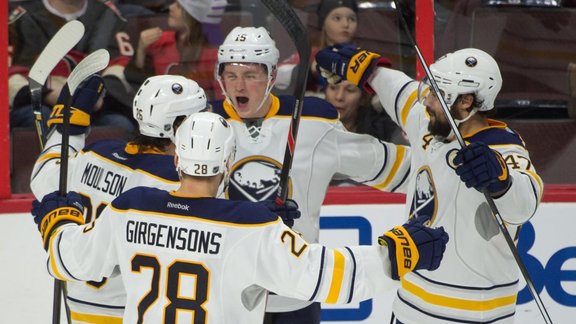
(156, 202)
(282, 106)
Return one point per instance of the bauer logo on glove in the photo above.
(85, 98)
(54, 211)
(414, 246)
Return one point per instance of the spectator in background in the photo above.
(357, 114)
(33, 24)
(184, 49)
(338, 21)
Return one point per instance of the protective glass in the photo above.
(425, 90)
(250, 73)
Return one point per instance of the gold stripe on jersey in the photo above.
(458, 303)
(399, 159)
(53, 256)
(337, 276)
(407, 106)
(95, 319)
(48, 156)
(191, 217)
(538, 180)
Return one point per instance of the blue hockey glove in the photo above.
(414, 246)
(288, 211)
(85, 97)
(55, 211)
(481, 167)
(348, 62)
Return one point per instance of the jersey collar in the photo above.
(132, 148)
(274, 108)
(492, 123)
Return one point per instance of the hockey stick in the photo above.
(91, 64)
(63, 41)
(299, 35)
(487, 196)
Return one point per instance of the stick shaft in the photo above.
(298, 33)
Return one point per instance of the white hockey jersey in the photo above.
(100, 172)
(208, 260)
(477, 279)
(324, 149)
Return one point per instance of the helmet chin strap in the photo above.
(450, 137)
(269, 87)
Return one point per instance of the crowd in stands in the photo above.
(157, 37)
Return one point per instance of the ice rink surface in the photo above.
(26, 289)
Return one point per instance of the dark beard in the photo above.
(439, 128)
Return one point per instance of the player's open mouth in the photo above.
(242, 100)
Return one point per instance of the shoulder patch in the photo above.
(497, 136)
(312, 107)
(16, 14)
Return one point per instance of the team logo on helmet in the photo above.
(424, 203)
(255, 178)
(471, 61)
(177, 88)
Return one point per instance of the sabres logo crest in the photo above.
(424, 203)
(255, 178)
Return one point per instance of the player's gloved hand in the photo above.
(85, 97)
(288, 211)
(483, 168)
(54, 211)
(414, 246)
(348, 62)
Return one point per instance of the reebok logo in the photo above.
(116, 155)
(178, 206)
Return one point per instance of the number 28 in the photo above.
(177, 300)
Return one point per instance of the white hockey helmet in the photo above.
(161, 99)
(248, 45)
(205, 146)
(468, 71)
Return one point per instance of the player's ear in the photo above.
(466, 100)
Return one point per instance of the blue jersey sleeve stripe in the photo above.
(320, 275)
(352, 281)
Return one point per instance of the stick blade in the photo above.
(63, 41)
(91, 64)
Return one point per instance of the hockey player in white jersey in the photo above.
(101, 171)
(186, 257)
(478, 279)
(246, 72)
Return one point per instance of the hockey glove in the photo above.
(348, 62)
(85, 97)
(288, 211)
(414, 246)
(483, 168)
(55, 211)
